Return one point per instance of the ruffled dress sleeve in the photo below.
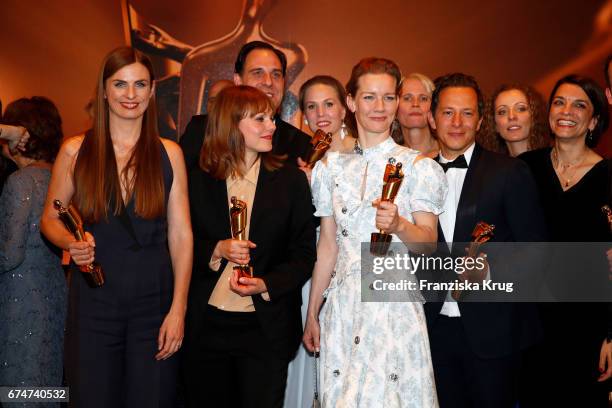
(429, 187)
(322, 185)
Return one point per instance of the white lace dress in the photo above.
(373, 354)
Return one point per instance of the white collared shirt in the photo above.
(455, 178)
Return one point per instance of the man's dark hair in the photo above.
(258, 45)
(456, 80)
(607, 70)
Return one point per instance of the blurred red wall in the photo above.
(55, 48)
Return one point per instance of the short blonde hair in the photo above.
(423, 79)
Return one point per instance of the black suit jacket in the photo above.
(283, 230)
(498, 190)
(287, 139)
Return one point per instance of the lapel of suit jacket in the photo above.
(263, 192)
(221, 206)
(468, 201)
(277, 135)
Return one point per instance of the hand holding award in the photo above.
(238, 217)
(482, 233)
(392, 180)
(320, 142)
(72, 220)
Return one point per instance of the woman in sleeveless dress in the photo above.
(131, 190)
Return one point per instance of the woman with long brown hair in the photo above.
(242, 331)
(130, 187)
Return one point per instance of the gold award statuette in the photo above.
(238, 219)
(392, 180)
(482, 233)
(93, 273)
(320, 142)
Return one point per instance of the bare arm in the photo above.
(420, 236)
(180, 244)
(327, 253)
(180, 238)
(16, 136)
(61, 187)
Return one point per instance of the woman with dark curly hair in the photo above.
(33, 296)
(515, 120)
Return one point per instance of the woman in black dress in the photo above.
(573, 364)
(130, 187)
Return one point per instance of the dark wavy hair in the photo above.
(539, 131)
(456, 80)
(42, 120)
(597, 98)
(258, 45)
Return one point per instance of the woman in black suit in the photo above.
(242, 331)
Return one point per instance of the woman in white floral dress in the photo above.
(373, 354)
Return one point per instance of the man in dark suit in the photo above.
(475, 346)
(264, 67)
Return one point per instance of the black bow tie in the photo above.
(458, 163)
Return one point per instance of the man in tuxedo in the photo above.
(264, 67)
(475, 346)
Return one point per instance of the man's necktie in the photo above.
(458, 163)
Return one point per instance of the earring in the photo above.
(306, 121)
(395, 126)
(589, 136)
(343, 131)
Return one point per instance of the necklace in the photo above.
(357, 149)
(562, 169)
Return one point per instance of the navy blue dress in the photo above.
(113, 330)
(32, 288)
